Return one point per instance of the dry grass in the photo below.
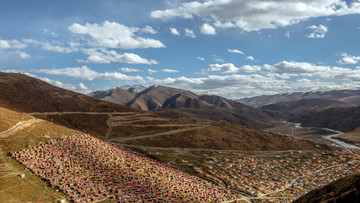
(352, 137)
(9, 118)
(31, 188)
(227, 136)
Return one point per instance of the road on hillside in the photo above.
(17, 127)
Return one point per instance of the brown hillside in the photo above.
(116, 95)
(226, 136)
(259, 101)
(204, 106)
(342, 119)
(346, 189)
(285, 110)
(26, 94)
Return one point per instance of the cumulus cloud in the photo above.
(55, 46)
(23, 55)
(201, 58)
(207, 29)
(46, 31)
(111, 56)
(250, 58)
(174, 31)
(151, 71)
(115, 35)
(129, 70)
(189, 33)
(86, 73)
(217, 59)
(169, 70)
(258, 14)
(250, 69)
(148, 29)
(235, 51)
(317, 31)
(224, 68)
(11, 44)
(347, 59)
(293, 67)
(231, 68)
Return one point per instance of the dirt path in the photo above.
(19, 126)
(161, 134)
(80, 112)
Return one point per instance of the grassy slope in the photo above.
(31, 188)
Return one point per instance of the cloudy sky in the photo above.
(233, 48)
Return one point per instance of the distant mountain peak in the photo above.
(133, 88)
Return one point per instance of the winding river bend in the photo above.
(339, 142)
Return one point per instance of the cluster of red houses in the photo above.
(87, 169)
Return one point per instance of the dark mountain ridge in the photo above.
(259, 101)
(211, 107)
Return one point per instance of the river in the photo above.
(339, 142)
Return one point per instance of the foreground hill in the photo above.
(342, 119)
(346, 95)
(26, 94)
(346, 189)
(203, 106)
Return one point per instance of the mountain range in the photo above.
(336, 109)
(351, 96)
(158, 98)
(23, 93)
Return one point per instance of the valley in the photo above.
(278, 164)
(255, 175)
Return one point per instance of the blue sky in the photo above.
(232, 48)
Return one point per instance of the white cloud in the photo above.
(318, 31)
(250, 69)
(250, 58)
(217, 59)
(129, 70)
(258, 14)
(298, 68)
(23, 55)
(86, 73)
(174, 31)
(287, 34)
(347, 59)
(148, 29)
(11, 44)
(235, 51)
(201, 58)
(46, 31)
(207, 29)
(151, 71)
(59, 49)
(55, 47)
(114, 35)
(111, 56)
(169, 70)
(189, 33)
(224, 68)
